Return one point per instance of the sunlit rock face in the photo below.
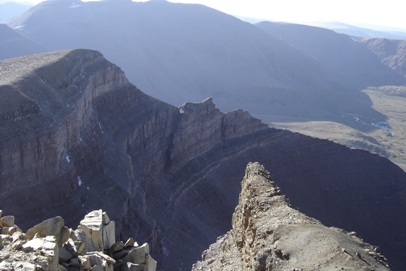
(77, 136)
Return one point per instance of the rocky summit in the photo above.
(50, 245)
(269, 234)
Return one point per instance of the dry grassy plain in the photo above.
(386, 139)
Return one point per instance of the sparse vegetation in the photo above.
(388, 140)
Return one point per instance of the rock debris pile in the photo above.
(50, 245)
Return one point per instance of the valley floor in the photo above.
(387, 139)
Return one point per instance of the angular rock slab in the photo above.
(138, 255)
(101, 230)
(49, 227)
(7, 221)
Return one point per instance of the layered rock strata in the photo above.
(269, 234)
(52, 246)
(76, 136)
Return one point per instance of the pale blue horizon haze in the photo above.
(381, 15)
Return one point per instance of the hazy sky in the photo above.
(386, 13)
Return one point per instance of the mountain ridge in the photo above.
(269, 234)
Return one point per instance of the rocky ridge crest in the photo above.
(50, 245)
(268, 234)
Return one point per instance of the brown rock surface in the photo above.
(268, 234)
(391, 52)
(74, 129)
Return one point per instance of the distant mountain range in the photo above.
(9, 10)
(349, 61)
(361, 32)
(184, 56)
(348, 29)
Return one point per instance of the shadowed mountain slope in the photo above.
(391, 52)
(13, 44)
(180, 52)
(75, 134)
(340, 54)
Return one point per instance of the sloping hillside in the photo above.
(13, 44)
(351, 62)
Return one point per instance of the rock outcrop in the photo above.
(76, 136)
(50, 245)
(269, 234)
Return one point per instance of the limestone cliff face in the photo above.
(37, 148)
(268, 234)
(76, 136)
(202, 125)
(36, 142)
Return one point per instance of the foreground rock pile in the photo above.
(50, 245)
(268, 234)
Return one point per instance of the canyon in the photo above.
(77, 136)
